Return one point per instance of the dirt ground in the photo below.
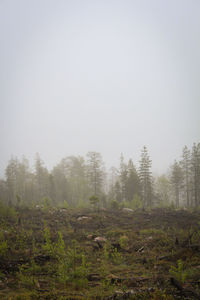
(84, 254)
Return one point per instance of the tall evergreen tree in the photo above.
(60, 183)
(77, 179)
(145, 178)
(18, 180)
(162, 188)
(195, 169)
(117, 192)
(42, 179)
(176, 180)
(123, 175)
(185, 163)
(95, 172)
(132, 182)
(11, 179)
(113, 178)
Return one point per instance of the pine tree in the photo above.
(117, 192)
(146, 178)
(11, 179)
(42, 178)
(132, 182)
(195, 169)
(113, 178)
(123, 175)
(95, 172)
(185, 163)
(176, 180)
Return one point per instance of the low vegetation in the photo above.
(63, 253)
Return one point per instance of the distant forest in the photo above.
(81, 182)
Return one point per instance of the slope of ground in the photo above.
(84, 254)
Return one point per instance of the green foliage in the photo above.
(145, 175)
(114, 204)
(65, 204)
(178, 272)
(62, 268)
(72, 267)
(82, 204)
(123, 241)
(116, 256)
(19, 200)
(176, 180)
(107, 285)
(80, 273)
(115, 233)
(3, 248)
(106, 252)
(25, 277)
(94, 200)
(134, 204)
(74, 179)
(30, 296)
(7, 212)
(151, 231)
(34, 268)
(110, 253)
(34, 248)
(59, 247)
(172, 205)
(67, 270)
(46, 202)
(95, 172)
(48, 246)
(21, 240)
(162, 187)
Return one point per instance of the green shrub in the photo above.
(19, 200)
(72, 267)
(106, 252)
(94, 200)
(133, 204)
(48, 246)
(24, 277)
(65, 204)
(123, 241)
(46, 202)
(3, 248)
(178, 272)
(21, 240)
(7, 212)
(116, 257)
(114, 204)
(136, 202)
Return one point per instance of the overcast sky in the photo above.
(103, 75)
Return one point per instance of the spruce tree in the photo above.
(176, 180)
(145, 176)
(195, 169)
(185, 163)
(95, 172)
(133, 182)
(123, 175)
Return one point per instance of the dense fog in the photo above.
(105, 76)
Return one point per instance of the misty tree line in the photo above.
(75, 179)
